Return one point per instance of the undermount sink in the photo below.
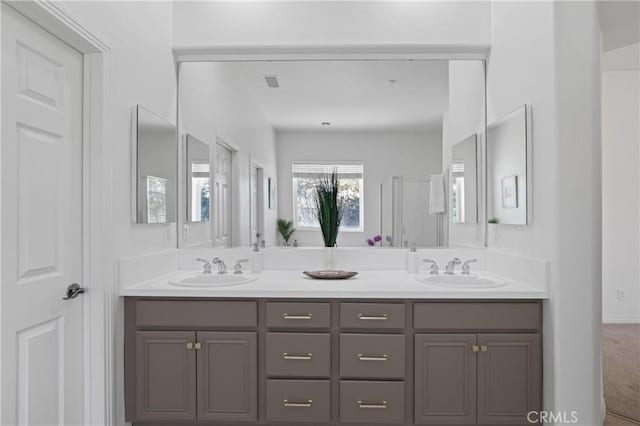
(461, 281)
(214, 280)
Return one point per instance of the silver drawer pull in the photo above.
(308, 403)
(373, 317)
(297, 317)
(365, 405)
(303, 357)
(384, 357)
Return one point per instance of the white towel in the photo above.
(436, 196)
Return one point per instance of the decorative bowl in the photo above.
(330, 275)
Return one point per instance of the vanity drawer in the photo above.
(372, 315)
(195, 313)
(298, 354)
(372, 402)
(380, 356)
(480, 316)
(299, 401)
(298, 315)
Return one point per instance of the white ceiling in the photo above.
(351, 95)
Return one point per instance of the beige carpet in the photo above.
(621, 362)
(612, 420)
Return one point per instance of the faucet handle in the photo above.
(206, 268)
(237, 269)
(466, 269)
(433, 269)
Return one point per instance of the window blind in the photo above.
(315, 170)
(457, 167)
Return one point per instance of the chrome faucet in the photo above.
(222, 268)
(206, 267)
(451, 266)
(466, 269)
(237, 269)
(433, 269)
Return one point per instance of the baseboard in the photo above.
(621, 320)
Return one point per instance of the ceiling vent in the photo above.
(272, 81)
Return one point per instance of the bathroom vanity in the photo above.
(332, 361)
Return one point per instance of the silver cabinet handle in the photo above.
(307, 404)
(383, 317)
(303, 357)
(366, 405)
(297, 317)
(384, 357)
(73, 291)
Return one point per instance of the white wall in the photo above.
(413, 154)
(620, 183)
(141, 72)
(302, 23)
(547, 55)
(214, 103)
(465, 116)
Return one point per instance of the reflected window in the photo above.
(157, 199)
(200, 192)
(350, 182)
(457, 192)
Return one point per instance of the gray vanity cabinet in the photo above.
(331, 362)
(445, 374)
(227, 376)
(165, 375)
(509, 378)
(477, 363)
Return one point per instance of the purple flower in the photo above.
(377, 238)
(370, 242)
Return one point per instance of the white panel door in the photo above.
(222, 197)
(42, 344)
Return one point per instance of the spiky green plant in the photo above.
(286, 229)
(328, 207)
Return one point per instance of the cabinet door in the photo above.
(165, 375)
(509, 377)
(227, 376)
(445, 379)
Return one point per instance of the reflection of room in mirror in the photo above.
(510, 192)
(464, 181)
(198, 180)
(457, 192)
(156, 157)
(388, 118)
(154, 204)
(508, 161)
(404, 216)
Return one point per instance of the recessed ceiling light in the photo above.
(326, 123)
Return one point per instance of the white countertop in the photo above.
(366, 285)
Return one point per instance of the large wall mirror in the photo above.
(395, 132)
(156, 168)
(509, 168)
